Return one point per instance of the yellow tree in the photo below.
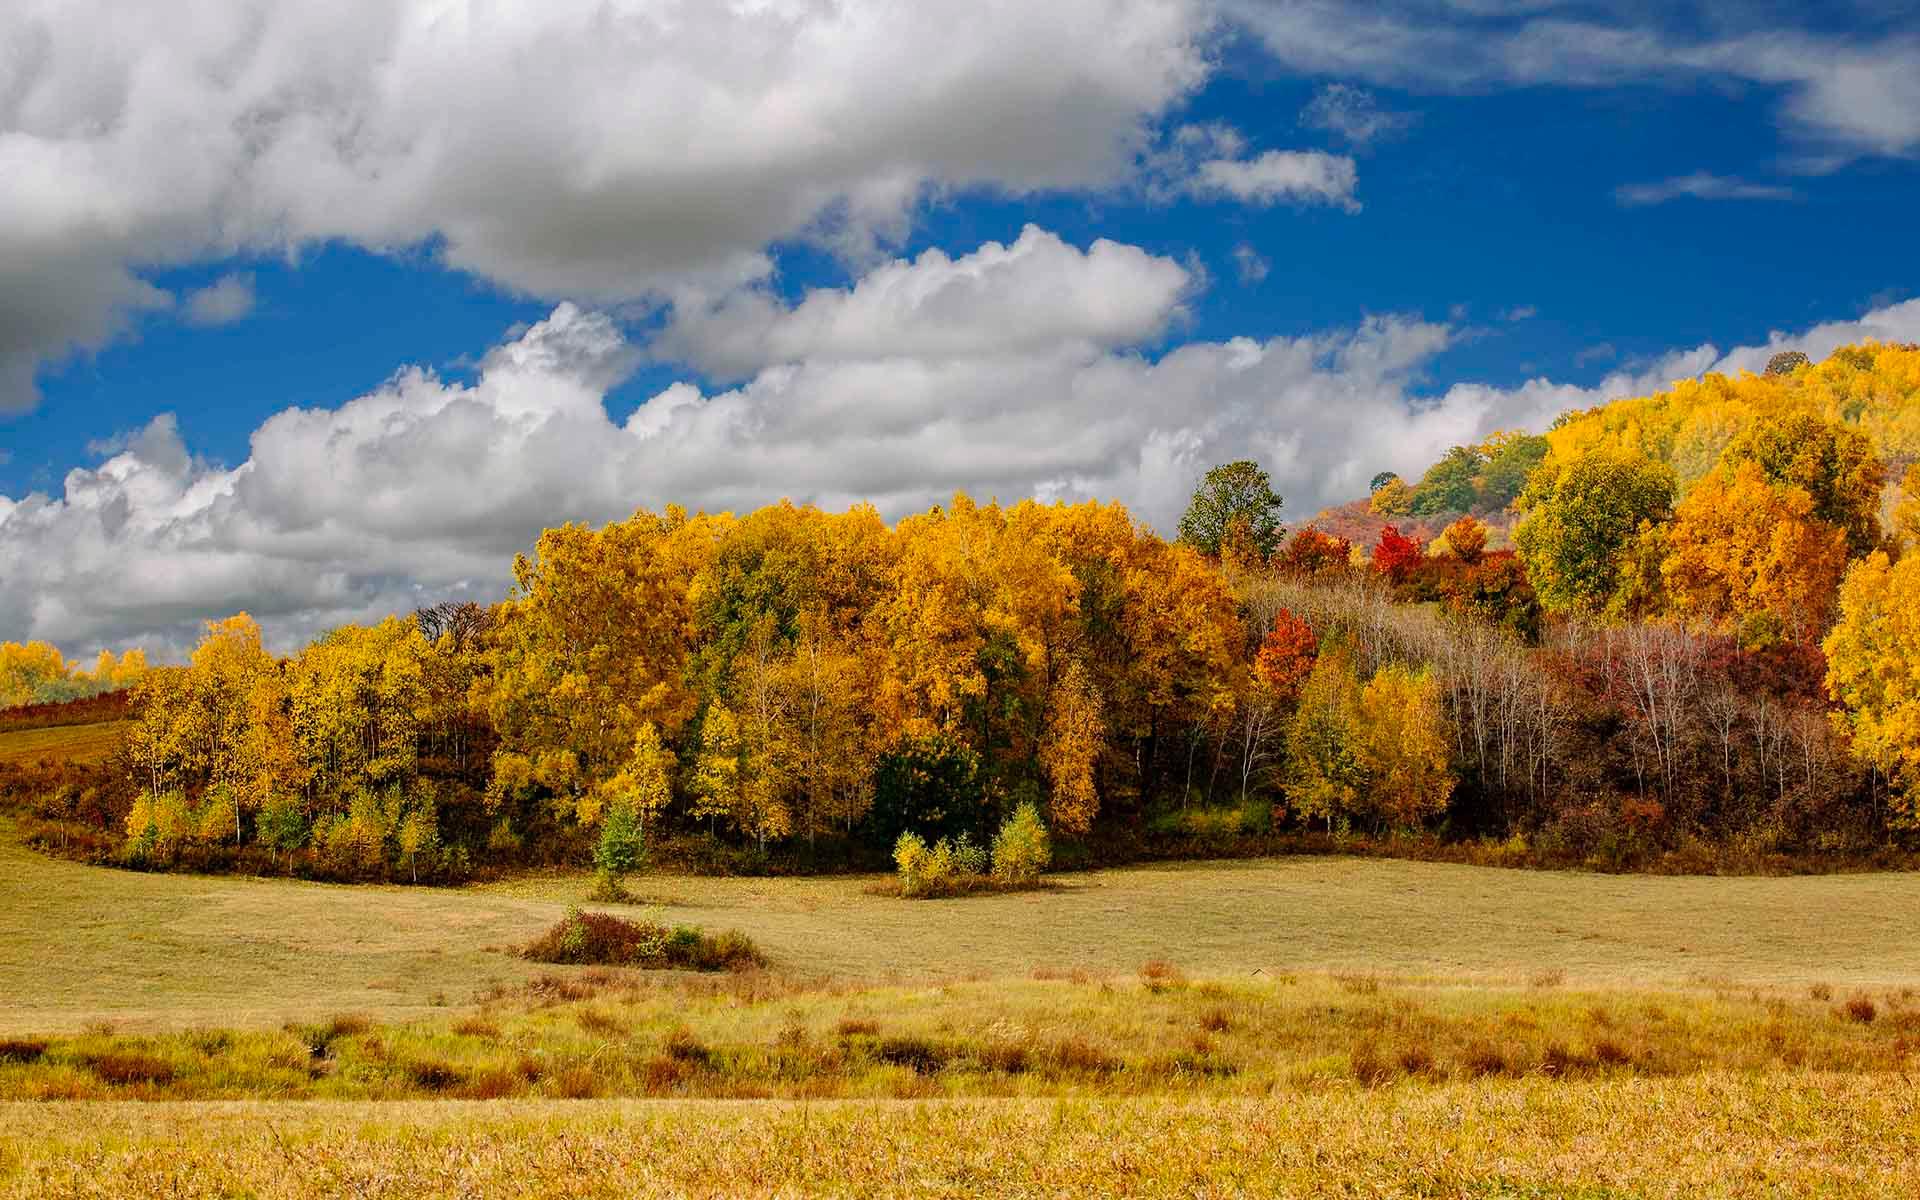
(933, 621)
(646, 781)
(1873, 669)
(716, 768)
(1906, 512)
(1835, 466)
(592, 645)
(1324, 772)
(32, 672)
(829, 693)
(1071, 751)
(239, 702)
(1403, 747)
(1742, 546)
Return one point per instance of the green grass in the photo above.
(82, 943)
(63, 743)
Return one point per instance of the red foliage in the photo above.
(1310, 552)
(1495, 588)
(1397, 556)
(1286, 656)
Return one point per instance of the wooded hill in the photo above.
(1701, 648)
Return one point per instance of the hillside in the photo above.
(1872, 388)
(87, 745)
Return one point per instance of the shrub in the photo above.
(1021, 850)
(607, 940)
(1859, 1008)
(943, 869)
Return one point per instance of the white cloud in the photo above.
(1038, 292)
(1297, 176)
(1700, 185)
(1519, 312)
(596, 149)
(1353, 114)
(423, 488)
(222, 302)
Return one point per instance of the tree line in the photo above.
(1667, 653)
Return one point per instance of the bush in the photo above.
(944, 869)
(1021, 850)
(607, 940)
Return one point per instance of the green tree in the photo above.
(1233, 493)
(622, 846)
(1511, 461)
(1448, 485)
(1579, 519)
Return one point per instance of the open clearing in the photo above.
(164, 951)
(62, 743)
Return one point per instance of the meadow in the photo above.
(1308, 1026)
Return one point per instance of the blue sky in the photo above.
(1425, 220)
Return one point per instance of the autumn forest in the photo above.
(1677, 630)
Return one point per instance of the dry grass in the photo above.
(1704, 1136)
(80, 943)
(63, 743)
(1300, 1027)
(166, 951)
(629, 1034)
(1325, 914)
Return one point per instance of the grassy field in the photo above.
(165, 951)
(1705, 1136)
(1313, 1026)
(62, 743)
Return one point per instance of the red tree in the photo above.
(1309, 552)
(1397, 556)
(1286, 656)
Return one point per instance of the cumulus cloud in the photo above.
(599, 150)
(222, 302)
(424, 487)
(1000, 299)
(1701, 185)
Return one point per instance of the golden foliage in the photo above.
(1873, 668)
(1741, 546)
